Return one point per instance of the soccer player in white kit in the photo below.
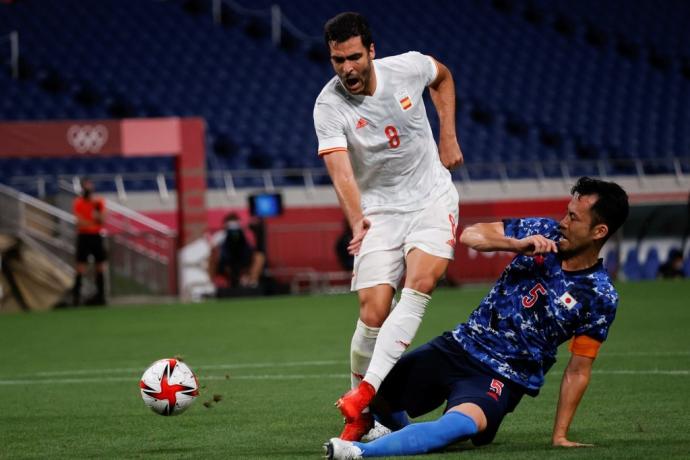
(395, 188)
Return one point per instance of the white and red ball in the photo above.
(169, 387)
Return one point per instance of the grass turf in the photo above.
(68, 380)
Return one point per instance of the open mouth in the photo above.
(352, 82)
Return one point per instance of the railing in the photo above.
(13, 38)
(269, 179)
(143, 252)
(44, 185)
(274, 14)
(50, 227)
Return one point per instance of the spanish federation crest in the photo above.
(403, 99)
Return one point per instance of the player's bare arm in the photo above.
(573, 385)
(346, 188)
(488, 237)
(442, 91)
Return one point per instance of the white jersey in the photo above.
(392, 149)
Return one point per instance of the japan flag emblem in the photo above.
(568, 300)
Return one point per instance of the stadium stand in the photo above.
(539, 82)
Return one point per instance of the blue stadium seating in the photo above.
(650, 268)
(631, 265)
(547, 80)
(611, 262)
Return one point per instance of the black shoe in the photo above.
(96, 302)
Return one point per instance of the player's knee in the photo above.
(371, 313)
(374, 307)
(474, 412)
(372, 317)
(424, 284)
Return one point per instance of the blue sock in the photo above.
(420, 438)
(394, 420)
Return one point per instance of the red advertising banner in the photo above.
(128, 137)
(60, 138)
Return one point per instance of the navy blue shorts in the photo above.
(442, 372)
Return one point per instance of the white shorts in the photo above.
(381, 259)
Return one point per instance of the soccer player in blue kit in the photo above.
(555, 289)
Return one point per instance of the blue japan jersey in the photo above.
(533, 308)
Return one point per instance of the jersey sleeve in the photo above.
(597, 319)
(522, 228)
(424, 66)
(330, 129)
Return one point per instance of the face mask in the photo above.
(232, 225)
(86, 193)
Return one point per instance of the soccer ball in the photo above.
(169, 387)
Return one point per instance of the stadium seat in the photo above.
(631, 266)
(650, 268)
(576, 74)
(611, 262)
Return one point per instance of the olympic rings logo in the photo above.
(87, 138)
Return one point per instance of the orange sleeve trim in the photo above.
(584, 346)
(334, 149)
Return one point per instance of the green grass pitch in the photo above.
(68, 380)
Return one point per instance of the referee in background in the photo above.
(90, 213)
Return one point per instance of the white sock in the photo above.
(361, 349)
(396, 334)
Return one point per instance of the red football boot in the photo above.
(357, 428)
(352, 403)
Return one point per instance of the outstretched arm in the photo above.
(488, 237)
(340, 170)
(573, 385)
(442, 91)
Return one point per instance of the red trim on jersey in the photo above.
(334, 149)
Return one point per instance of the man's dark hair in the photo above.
(611, 207)
(345, 26)
(231, 216)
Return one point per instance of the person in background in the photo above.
(236, 258)
(256, 269)
(345, 259)
(90, 213)
(673, 267)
